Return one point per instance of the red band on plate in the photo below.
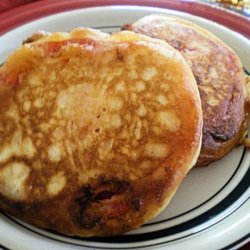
(20, 15)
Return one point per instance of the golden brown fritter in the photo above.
(96, 135)
(219, 75)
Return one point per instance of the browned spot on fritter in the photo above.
(101, 202)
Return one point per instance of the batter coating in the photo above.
(219, 75)
(95, 136)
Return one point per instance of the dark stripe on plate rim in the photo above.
(3, 247)
(225, 203)
(107, 27)
(246, 71)
(236, 243)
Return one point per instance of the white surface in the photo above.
(199, 186)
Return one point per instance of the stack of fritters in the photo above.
(97, 131)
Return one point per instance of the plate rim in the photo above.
(69, 9)
(35, 10)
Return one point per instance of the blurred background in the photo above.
(241, 6)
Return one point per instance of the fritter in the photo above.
(219, 75)
(97, 131)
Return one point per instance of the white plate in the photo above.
(211, 209)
